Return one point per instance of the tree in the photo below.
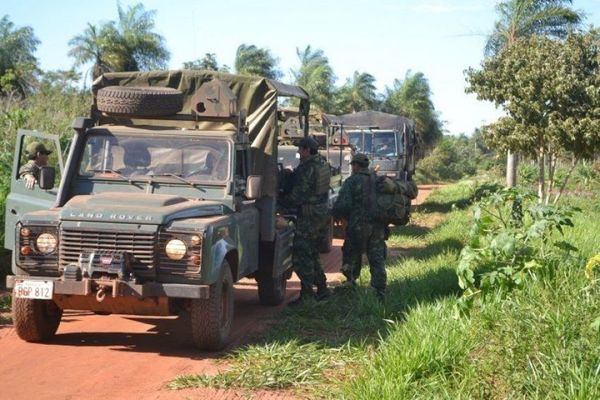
(208, 62)
(252, 60)
(411, 98)
(128, 44)
(18, 65)
(140, 48)
(358, 94)
(549, 90)
(316, 76)
(522, 19)
(95, 45)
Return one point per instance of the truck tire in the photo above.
(211, 318)
(139, 101)
(271, 291)
(327, 243)
(35, 320)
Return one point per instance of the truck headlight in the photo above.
(176, 249)
(46, 243)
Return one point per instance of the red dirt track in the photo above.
(134, 357)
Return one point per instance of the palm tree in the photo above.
(95, 45)
(18, 65)
(251, 60)
(141, 49)
(125, 45)
(358, 94)
(524, 18)
(316, 76)
(411, 98)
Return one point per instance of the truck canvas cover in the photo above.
(257, 95)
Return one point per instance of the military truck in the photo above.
(388, 140)
(168, 196)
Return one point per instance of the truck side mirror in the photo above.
(253, 187)
(47, 176)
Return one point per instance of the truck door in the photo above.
(22, 200)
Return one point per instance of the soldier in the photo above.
(308, 197)
(363, 234)
(37, 155)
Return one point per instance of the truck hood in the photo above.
(144, 208)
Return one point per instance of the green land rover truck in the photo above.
(168, 196)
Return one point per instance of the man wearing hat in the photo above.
(38, 157)
(363, 234)
(308, 198)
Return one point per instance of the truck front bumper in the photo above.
(117, 288)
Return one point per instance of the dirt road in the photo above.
(131, 357)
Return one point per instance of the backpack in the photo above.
(390, 199)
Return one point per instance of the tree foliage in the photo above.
(316, 76)
(208, 62)
(411, 98)
(18, 65)
(252, 60)
(550, 91)
(128, 44)
(525, 18)
(357, 94)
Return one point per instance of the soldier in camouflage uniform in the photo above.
(363, 234)
(308, 199)
(37, 155)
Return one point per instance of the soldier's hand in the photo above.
(30, 181)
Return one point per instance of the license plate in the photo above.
(34, 289)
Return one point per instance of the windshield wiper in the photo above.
(178, 177)
(129, 179)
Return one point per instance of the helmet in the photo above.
(360, 159)
(308, 143)
(36, 147)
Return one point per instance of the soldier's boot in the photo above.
(323, 292)
(380, 294)
(306, 294)
(348, 273)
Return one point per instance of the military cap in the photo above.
(361, 159)
(308, 143)
(37, 147)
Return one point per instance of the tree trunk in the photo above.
(541, 177)
(512, 162)
(564, 184)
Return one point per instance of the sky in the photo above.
(386, 38)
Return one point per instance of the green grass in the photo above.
(5, 309)
(537, 342)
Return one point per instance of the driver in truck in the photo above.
(37, 155)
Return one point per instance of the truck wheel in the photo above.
(140, 101)
(327, 244)
(271, 291)
(212, 318)
(35, 320)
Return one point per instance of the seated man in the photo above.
(137, 160)
(37, 154)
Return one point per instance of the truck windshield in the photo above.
(361, 140)
(196, 159)
(384, 144)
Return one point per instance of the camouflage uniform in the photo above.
(362, 233)
(30, 168)
(312, 213)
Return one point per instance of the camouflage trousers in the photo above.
(370, 239)
(305, 252)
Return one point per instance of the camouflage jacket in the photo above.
(31, 168)
(303, 191)
(350, 204)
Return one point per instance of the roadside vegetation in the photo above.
(538, 339)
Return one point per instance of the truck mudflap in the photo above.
(106, 288)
